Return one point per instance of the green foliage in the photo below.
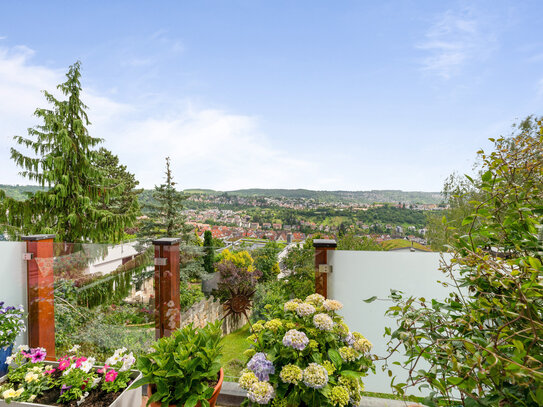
(190, 295)
(63, 161)
(165, 218)
(182, 366)
(126, 201)
(353, 242)
(484, 341)
(326, 361)
(300, 266)
(266, 261)
(209, 250)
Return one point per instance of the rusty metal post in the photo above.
(167, 300)
(41, 293)
(321, 257)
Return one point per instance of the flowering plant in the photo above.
(304, 354)
(74, 377)
(11, 324)
(183, 368)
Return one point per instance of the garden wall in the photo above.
(359, 275)
(13, 277)
(210, 310)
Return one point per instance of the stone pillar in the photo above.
(321, 257)
(167, 307)
(41, 293)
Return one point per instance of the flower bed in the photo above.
(72, 381)
(304, 354)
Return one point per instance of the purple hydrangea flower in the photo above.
(349, 339)
(261, 366)
(295, 339)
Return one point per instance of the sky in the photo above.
(326, 95)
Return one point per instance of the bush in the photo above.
(484, 341)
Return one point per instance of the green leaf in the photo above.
(335, 357)
(370, 300)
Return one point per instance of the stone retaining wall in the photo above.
(211, 310)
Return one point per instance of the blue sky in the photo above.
(280, 94)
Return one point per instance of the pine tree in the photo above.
(165, 214)
(63, 162)
(209, 257)
(127, 199)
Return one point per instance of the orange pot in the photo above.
(212, 400)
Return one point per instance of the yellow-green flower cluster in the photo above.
(292, 305)
(257, 327)
(323, 322)
(348, 354)
(361, 344)
(261, 392)
(279, 402)
(315, 376)
(313, 344)
(249, 353)
(247, 379)
(291, 374)
(273, 325)
(354, 387)
(332, 305)
(315, 299)
(339, 396)
(342, 328)
(290, 325)
(329, 366)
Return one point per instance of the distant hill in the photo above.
(361, 197)
(19, 192)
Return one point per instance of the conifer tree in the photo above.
(209, 257)
(165, 214)
(63, 156)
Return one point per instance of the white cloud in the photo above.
(453, 41)
(208, 147)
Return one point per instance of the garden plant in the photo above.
(183, 369)
(73, 381)
(483, 345)
(305, 355)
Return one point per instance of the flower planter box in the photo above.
(128, 398)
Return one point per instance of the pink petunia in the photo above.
(63, 364)
(80, 361)
(50, 371)
(111, 376)
(103, 370)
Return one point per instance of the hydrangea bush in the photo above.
(30, 376)
(304, 354)
(11, 324)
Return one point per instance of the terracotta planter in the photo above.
(212, 400)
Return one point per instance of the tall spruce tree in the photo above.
(63, 162)
(165, 217)
(127, 199)
(209, 256)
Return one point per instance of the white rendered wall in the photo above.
(359, 275)
(13, 277)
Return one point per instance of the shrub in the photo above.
(305, 354)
